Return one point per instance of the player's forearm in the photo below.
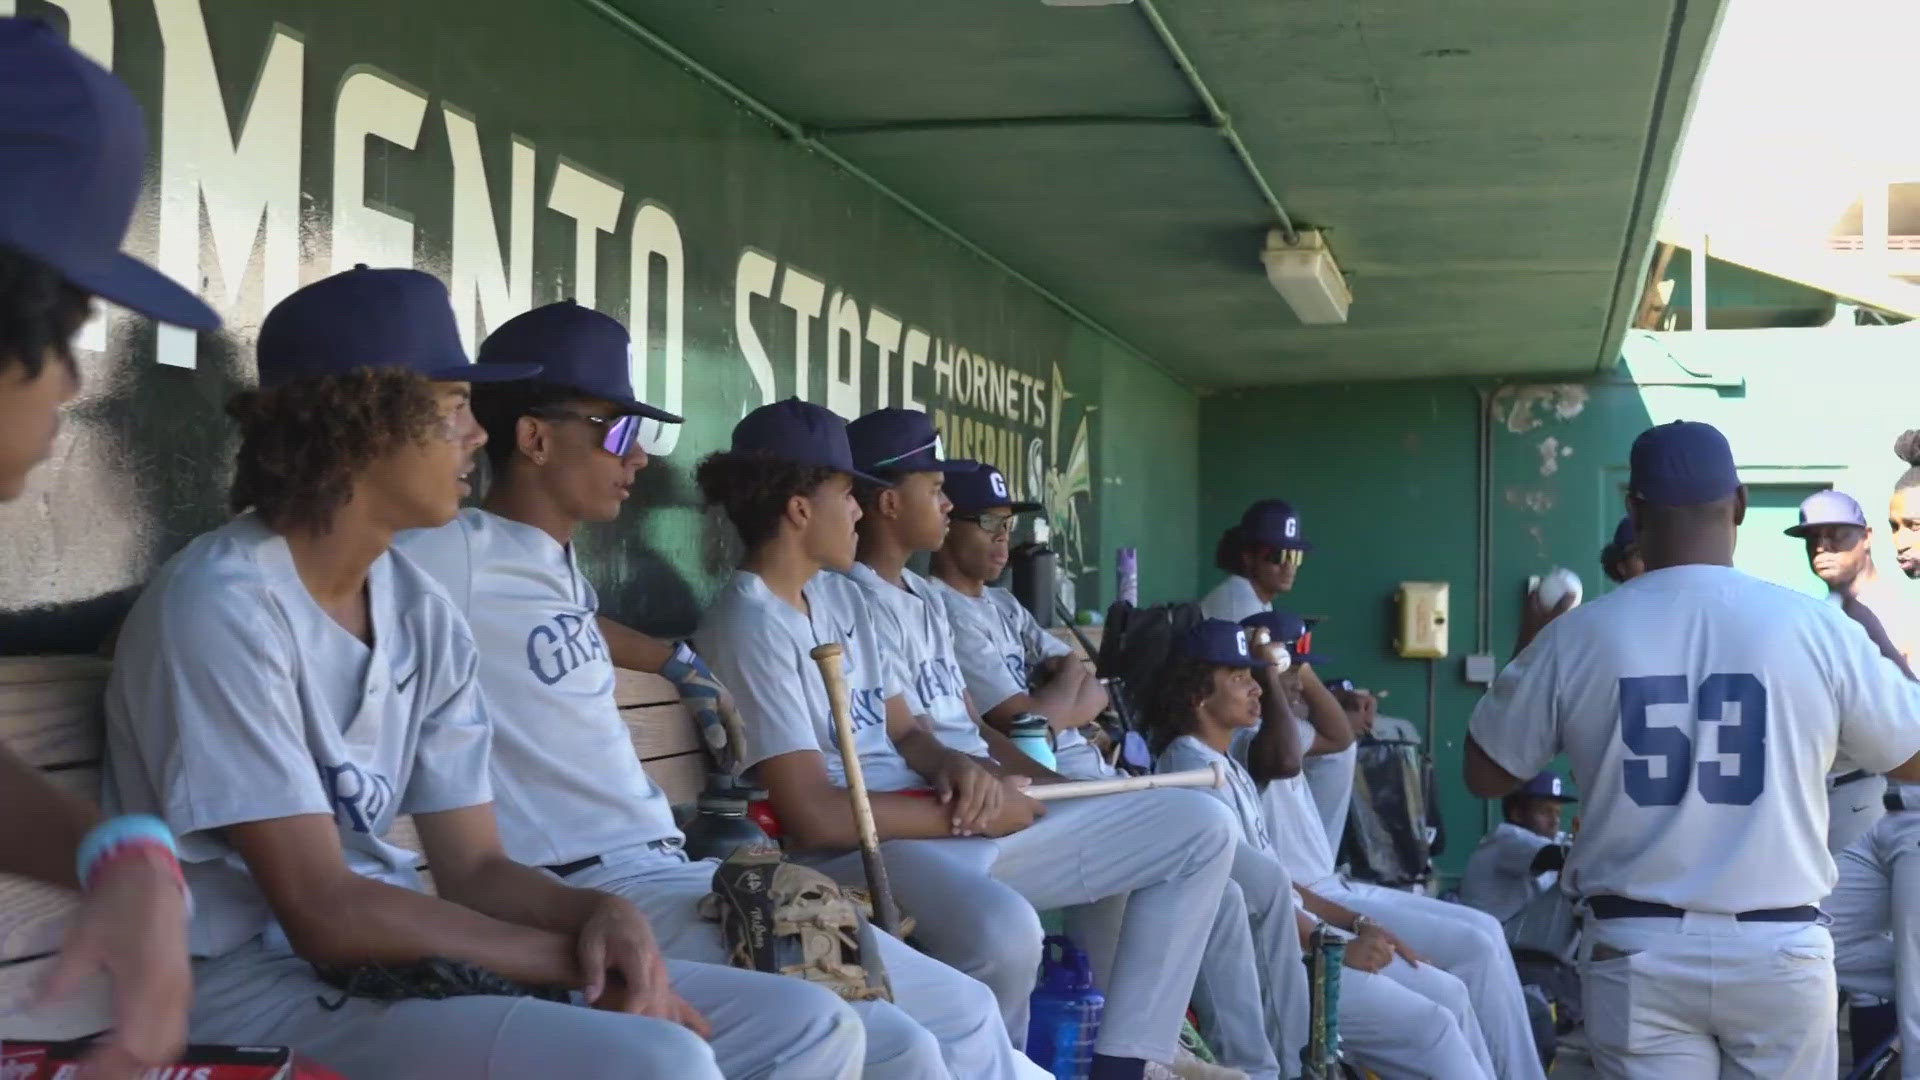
(828, 825)
(1275, 751)
(1328, 911)
(629, 648)
(506, 890)
(922, 750)
(44, 825)
(371, 922)
(1325, 713)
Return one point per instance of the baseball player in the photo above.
(1009, 665)
(570, 793)
(1903, 512)
(1840, 553)
(1466, 943)
(972, 862)
(1620, 559)
(1398, 1018)
(1242, 1025)
(1701, 710)
(286, 686)
(1521, 858)
(72, 145)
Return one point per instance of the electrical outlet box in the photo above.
(1480, 669)
(1422, 632)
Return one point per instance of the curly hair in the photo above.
(302, 444)
(1230, 553)
(1907, 448)
(40, 311)
(498, 406)
(1175, 697)
(753, 489)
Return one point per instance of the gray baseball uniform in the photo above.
(1241, 1023)
(998, 645)
(236, 699)
(1401, 1021)
(568, 787)
(1701, 709)
(1876, 917)
(974, 898)
(1498, 878)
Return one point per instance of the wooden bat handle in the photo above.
(1210, 777)
(833, 672)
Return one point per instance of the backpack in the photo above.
(1134, 646)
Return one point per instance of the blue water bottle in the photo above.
(1066, 1011)
(1034, 736)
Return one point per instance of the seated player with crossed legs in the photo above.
(971, 862)
(909, 516)
(572, 796)
(1399, 1018)
(286, 686)
(1468, 944)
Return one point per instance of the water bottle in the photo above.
(1034, 736)
(1127, 564)
(1066, 1012)
(720, 825)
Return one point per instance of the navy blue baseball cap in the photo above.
(363, 318)
(1291, 630)
(1217, 641)
(981, 490)
(799, 432)
(1685, 463)
(1547, 785)
(1623, 533)
(900, 441)
(1275, 523)
(72, 147)
(1828, 508)
(575, 347)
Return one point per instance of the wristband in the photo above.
(128, 831)
(683, 665)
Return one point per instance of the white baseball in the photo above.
(1557, 583)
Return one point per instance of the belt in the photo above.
(1619, 907)
(568, 869)
(1847, 778)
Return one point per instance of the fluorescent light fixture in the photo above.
(1306, 276)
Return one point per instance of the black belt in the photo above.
(1619, 907)
(568, 869)
(1848, 778)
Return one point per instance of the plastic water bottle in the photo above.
(1127, 564)
(1034, 736)
(1066, 1012)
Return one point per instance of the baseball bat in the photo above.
(1210, 777)
(833, 671)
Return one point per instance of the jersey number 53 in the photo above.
(1745, 739)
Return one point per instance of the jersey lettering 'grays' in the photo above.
(914, 630)
(522, 591)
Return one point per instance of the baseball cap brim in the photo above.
(484, 373)
(641, 408)
(138, 287)
(1801, 530)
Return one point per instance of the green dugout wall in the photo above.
(526, 153)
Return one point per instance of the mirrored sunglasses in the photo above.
(620, 432)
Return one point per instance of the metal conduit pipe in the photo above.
(1221, 120)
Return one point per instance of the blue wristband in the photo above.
(683, 665)
(116, 831)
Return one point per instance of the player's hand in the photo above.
(971, 794)
(1400, 948)
(1019, 811)
(624, 969)
(1535, 615)
(1369, 951)
(132, 925)
(1362, 707)
(1268, 651)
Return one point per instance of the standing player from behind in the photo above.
(1247, 1030)
(286, 686)
(1840, 553)
(1399, 1019)
(572, 796)
(72, 146)
(1701, 710)
(971, 862)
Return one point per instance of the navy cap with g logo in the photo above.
(799, 432)
(576, 347)
(1274, 523)
(900, 441)
(363, 318)
(72, 147)
(1217, 641)
(1547, 785)
(982, 490)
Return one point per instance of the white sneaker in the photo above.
(1188, 1067)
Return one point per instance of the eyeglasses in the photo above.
(619, 432)
(992, 524)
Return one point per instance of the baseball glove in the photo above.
(787, 919)
(431, 979)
